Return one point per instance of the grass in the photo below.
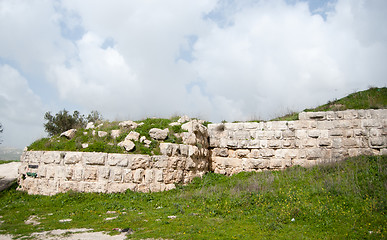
(107, 143)
(345, 200)
(7, 161)
(373, 98)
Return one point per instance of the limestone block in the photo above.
(374, 132)
(220, 152)
(274, 144)
(383, 151)
(133, 136)
(120, 187)
(60, 172)
(69, 134)
(193, 151)
(242, 135)
(263, 144)
(255, 143)
(159, 175)
(114, 159)
(49, 157)
(336, 133)
(275, 163)
(102, 134)
(69, 173)
(287, 144)
(104, 172)
(127, 144)
(160, 161)
(288, 134)
(280, 153)
(349, 142)
(336, 143)
(72, 157)
(128, 124)
(127, 175)
(176, 163)
(267, 153)
(184, 150)
(189, 138)
(42, 171)
(312, 154)
(138, 175)
(324, 142)
(78, 173)
(149, 175)
(116, 174)
(377, 142)
(50, 172)
(115, 133)
(371, 123)
(92, 158)
(314, 133)
(140, 161)
(232, 143)
(90, 174)
(307, 143)
(242, 153)
(232, 153)
(325, 125)
(301, 134)
(166, 148)
(359, 132)
(159, 134)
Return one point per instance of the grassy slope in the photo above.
(373, 98)
(107, 143)
(345, 200)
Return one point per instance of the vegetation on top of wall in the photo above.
(108, 143)
(373, 98)
(343, 200)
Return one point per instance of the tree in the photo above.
(63, 121)
(94, 116)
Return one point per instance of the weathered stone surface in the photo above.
(93, 158)
(90, 125)
(128, 124)
(184, 119)
(102, 133)
(134, 136)
(127, 145)
(69, 133)
(159, 134)
(115, 133)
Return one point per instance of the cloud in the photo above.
(21, 110)
(221, 60)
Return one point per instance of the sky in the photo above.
(212, 59)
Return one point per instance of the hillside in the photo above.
(373, 98)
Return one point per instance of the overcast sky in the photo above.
(217, 60)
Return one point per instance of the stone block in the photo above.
(149, 175)
(301, 134)
(90, 174)
(254, 153)
(159, 175)
(78, 173)
(128, 175)
(275, 163)
(314, 133)
(325, 125)
(115, 159)
(371, 123)
(267, 153)
(104, 172)
(324, 142)
(349, 142)
(288, 134)
(336, 143)
(274, 144)
(116, 174)
(242, 153)
(72, 157)
(313, 154)
(160, 161)
(286, 144)
(138, 175)
(94, 158)
(377, 142)
(140, 161)
(336, 133)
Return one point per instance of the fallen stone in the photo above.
(85, 145)
(133, 136)
(69, 133)
(127, 144)
(159, 134)
(65, 220)
(128, 124)
(102, 133)
(90, 125)
(115, 133)
(8, 174)
(184, 119)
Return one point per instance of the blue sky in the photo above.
(213, 59)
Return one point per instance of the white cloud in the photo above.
(21, 110)
(232, 60)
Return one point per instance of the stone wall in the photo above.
(317, 137)
(51, 172)
(226, 148)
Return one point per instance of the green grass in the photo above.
(107, 143)
(345, 200)
(373, 98)
(7, 161)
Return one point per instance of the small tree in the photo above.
(94, 116)
(62, 122)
